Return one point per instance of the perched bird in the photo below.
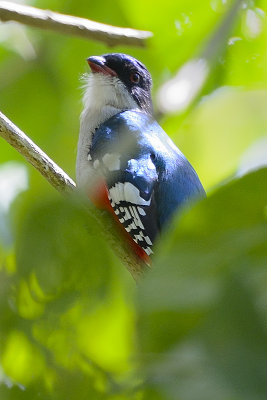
(125, 161)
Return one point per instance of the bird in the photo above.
(126, 163)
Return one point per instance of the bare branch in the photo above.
(25, 146)
(67, 24)
(64, 184)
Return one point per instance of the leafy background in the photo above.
(73, 324)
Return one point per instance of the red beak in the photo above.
(98, 65)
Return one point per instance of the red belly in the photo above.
(101, 200)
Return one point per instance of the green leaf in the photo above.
(203, 307)
(66, 315)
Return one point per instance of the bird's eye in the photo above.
(152, 156)
(135, 77)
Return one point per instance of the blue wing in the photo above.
(147, 176)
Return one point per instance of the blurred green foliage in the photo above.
(72, 322)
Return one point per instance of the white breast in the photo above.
(104, 97)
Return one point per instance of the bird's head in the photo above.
(120, 81)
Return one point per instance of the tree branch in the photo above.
(67, 24)
(64, 184)
(25, 146)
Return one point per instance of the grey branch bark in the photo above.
(26, 147)
(67, 24)
(64, 184)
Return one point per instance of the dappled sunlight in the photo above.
(176, 95)
(13, 180)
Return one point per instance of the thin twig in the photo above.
(25, 146)
(67, 24)
(216, 44)
(64, 184)
(179, 93)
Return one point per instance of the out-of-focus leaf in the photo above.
(220, 130)
(68, 316)
(203, 307)
(53, 226)
(63, 295)
(18, 357)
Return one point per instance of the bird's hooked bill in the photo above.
(98, 65)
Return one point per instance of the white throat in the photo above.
(104, 97)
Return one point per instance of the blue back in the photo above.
(149, 160)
